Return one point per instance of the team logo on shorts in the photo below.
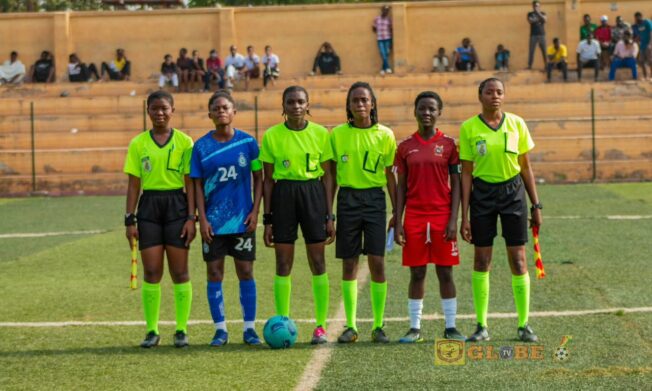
(439, 150)
(345, 158)
(454, 251)
(242, 160)
(147, 165)
(286, 163)
(481, 147)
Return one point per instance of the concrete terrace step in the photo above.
(325, 116)
(556, 128)
(327, 98)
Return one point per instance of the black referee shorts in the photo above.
(505, 199)
(360, 211)
(161, 216)
(297, 203)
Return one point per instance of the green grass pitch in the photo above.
(592, 262)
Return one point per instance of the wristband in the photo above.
(130, 219)
(192, 218)
(330, 217)
(267, 219)
(536, 206)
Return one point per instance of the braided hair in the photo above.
(374, 105)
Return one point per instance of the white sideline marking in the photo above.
(613, 217)
(322, 354)
(340, 319)
(43, 234)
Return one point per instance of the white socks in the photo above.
(249, 324)
(449, 307)
(220, 325)
(415, 307)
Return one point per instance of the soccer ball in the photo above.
(280, 332)
(562, 354)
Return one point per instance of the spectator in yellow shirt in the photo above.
(557, 55)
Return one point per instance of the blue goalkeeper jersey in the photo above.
(225, 170)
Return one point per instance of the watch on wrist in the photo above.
(192, 218)
(330, 217)
(267, 219)
(536, 206)
(130, 219)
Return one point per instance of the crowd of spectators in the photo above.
(622, 45)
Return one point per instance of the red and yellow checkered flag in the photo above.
(538, 262)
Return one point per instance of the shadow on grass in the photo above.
(159, 350)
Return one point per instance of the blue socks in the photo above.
(247, 301)
(216, 304)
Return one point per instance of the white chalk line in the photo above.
(44, 234)
(610, 217)
(341, 320)
(322, 355)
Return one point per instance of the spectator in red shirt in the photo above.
(603, 35)
(383, 29)
(214, 71)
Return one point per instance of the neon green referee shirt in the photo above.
(296, 154)
(495, 152)
(362, 155)
(159, 167)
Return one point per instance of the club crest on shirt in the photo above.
(242, 160)
(286, 163)
(146, 164)
(439, 150)
(481, 147)
(344, 158)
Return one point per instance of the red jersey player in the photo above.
(428, 168)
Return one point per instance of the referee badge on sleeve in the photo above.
(481, 147)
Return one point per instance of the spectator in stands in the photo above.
(603, 35)
(197, 73)
(624, 56)
(214, 71)
(588, 55)
(169, 73)
(537, 20)
(79, 71)
(119, 68)
(235, 67)
(502, 58)
(252, 66)
(466, 58)
(618, 31)
(270, 62)
(642, 35)
(440, 61)
(383, 28)
(587, 27)
(184, 68)
(12, 71)
(557, 57)
(326, 60)
(43, 69)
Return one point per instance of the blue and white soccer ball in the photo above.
(280, 332)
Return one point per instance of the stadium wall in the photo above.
(295, 32)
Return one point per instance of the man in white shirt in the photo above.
(235, 66)
(252, 65)
(588, 54)
(270, 61)
(12, 71)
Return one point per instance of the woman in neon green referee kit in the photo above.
(158, 161)
(363, 151)
(297, 191)
(496, 174)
